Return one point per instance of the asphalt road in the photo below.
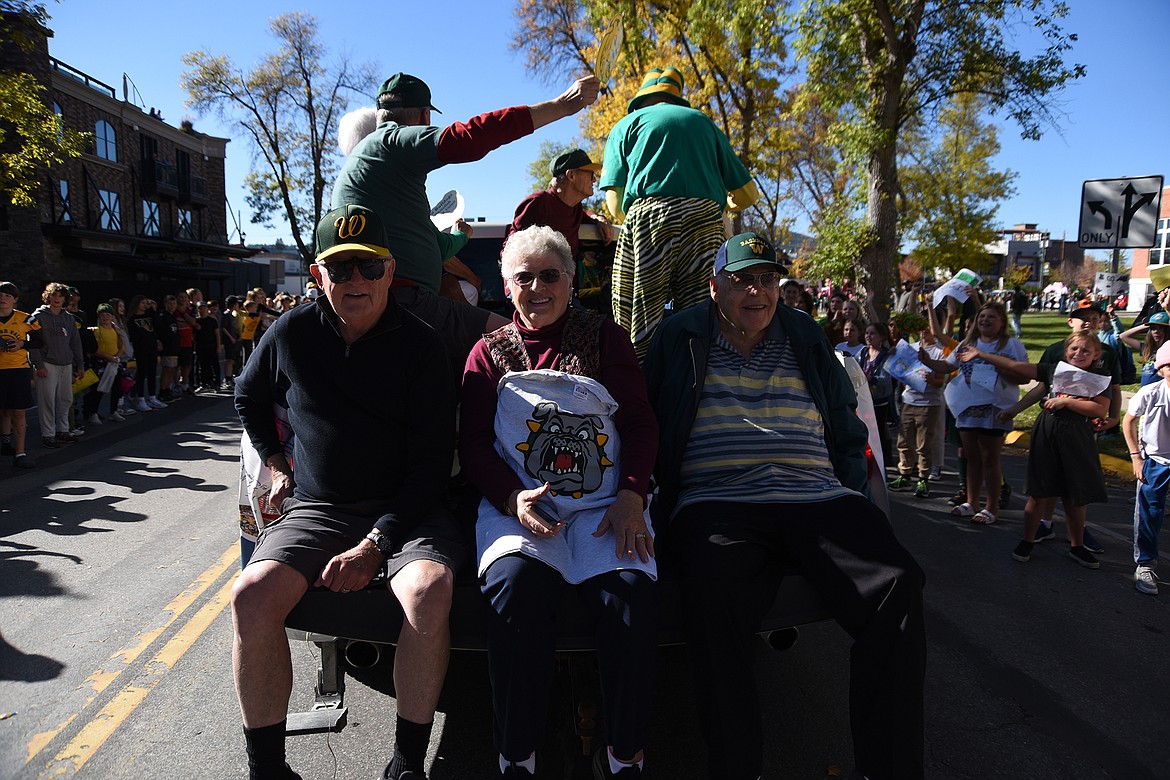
(116, 555)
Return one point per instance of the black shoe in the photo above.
(1083, 557)
(1023, 551)
(1091, 543)
(1005, 495)
(1045, 532)
(960, 497)
(50, 443)
(66, 438)
(518, 773)
(406, 774)
(23, 461)
(6, 448)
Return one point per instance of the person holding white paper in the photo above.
(975, 397)
(1062, 460)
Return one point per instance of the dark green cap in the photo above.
(408, 92)
(350, 228)
(744, 251)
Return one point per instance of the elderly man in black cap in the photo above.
(761, 465)
(670, 172)
(387, 173)
(356, 374)
(559, 207)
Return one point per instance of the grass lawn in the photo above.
(1041, 329)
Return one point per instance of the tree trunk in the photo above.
(879, 258)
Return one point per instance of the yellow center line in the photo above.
(101, 679)
(95, 733)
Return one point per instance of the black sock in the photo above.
(410, 745)
(266, 752)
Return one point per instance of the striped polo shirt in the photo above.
(757, 437)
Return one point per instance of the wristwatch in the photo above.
(380, 541)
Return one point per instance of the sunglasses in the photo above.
(371, 268)
(769, 280)
(547, 275)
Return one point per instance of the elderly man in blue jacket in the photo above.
(761, 466)
(372, 403)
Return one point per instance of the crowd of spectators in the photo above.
(80, 370)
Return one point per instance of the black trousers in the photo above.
(734, 554)
(524, 596)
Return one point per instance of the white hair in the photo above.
(533, 241)
(355, 126)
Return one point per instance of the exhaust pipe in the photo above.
(362, 655)
(782, 639)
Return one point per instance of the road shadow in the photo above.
(26, 667)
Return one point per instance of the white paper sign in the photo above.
(448, 210)
(960, 286)
(1070, 380)
(905, 366)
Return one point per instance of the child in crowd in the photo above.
(168, 334)
(853, 332)
(919, 426)
(208, 345)
(16, 333)
(108, 345)
(1062, 461)
(1149, 452)
(1157, 329)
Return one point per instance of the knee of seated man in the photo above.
(425, 586)
(260, 594)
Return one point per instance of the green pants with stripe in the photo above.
(665, 253)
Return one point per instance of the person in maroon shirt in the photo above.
(559, 206)
(520, 526)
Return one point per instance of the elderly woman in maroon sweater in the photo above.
(558, 435)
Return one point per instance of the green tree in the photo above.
(31, 135)
(951, 192)
(882, 63)
(288, 106)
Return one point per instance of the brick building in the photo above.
(143, 210)
(1145, 259)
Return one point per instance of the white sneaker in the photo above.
(143, 406)
(127, 409)
(117, 417)
(79, 431)
(155, 403)
(1145, 580)
(94, 419)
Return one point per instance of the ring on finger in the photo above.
(640, 535)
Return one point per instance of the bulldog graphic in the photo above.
(565, 450)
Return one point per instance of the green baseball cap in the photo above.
(350, 228)
(744, 251)
(408, 91)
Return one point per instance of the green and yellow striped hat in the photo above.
(667, 83)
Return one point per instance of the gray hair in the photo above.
(536, 240)
(401, 115)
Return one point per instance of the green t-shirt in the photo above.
(666, 150)
(1106, 365)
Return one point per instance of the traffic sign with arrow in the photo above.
(1120, 213)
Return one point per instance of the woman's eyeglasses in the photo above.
(371, 268)
(769, 280)
(547, 275)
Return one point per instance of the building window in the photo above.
(60, 120)
(110, 214)
(63, 215)
(1161, 252)
(150, 226)
(185, 230)
(105, 141)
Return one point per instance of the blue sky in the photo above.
(1116, 120)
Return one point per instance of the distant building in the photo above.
(1145, 259)
(1050, 260)
(143, 210)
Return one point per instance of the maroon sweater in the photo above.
(620, 375)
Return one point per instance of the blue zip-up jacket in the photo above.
(676, 367)
(374, 420)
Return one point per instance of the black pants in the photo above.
(734, 555)
(524, 596)
(146, 376)
(206, 368)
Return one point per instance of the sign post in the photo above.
(1119, 213)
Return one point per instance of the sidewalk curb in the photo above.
(1115, 468)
